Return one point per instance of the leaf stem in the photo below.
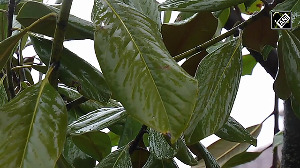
(134, 144)
(59, 37)
(213, 41)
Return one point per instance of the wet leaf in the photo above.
(223, 150)
(116, 159)
(218, 75)
(182, 36)
(77, 28)
(233, 131)
(280, 85)
(76, 157)
(291, 47)
(96, 144)
(159, 147)
(74, 71)
(142, 75)
(198, 5)
(259, 33)
(33, 127)
(241, 158)
(154, 163)
(184, 155)
(249, 63)
(210, 161)
(96, 120)
(130, 131)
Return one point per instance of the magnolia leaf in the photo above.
(233, 131)
(140, 71)
(291, 47)
(153, 162)
(218, 75)
(223, 150)
(198, 5)
(241, 158)
(116, 159)
(96, 120)
(33, 127)
(77, 28)
(96, 144)
(74, 71)
(184, 155)
(210, 161)
(259, 33)
(130, 131)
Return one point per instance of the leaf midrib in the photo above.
(142, 58)
(43, 84)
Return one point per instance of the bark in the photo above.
(291, 140)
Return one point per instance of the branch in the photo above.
(10, 13)
(59, 37)
(76, 102)
(134, 144)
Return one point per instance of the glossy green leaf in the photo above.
(241, 158)
(130, 131)
(114, 138)
(184, 155)
(116, 159)
(249, 63)
(33, 128)
(76, 157)
(223, 150)
(294, 7)
(218, 75)
(210, 161)
(159, 146)
(77, 28)
(184, 35)
(266, 51)
(198, 5)
(233, 131)
(142, 75)
(291, 60)
(280, 85)
(222, 19)
(96, 120)
(63, 163)
(155, 163)
(148, 8)
(278, 139)
(75, 72)
(96, 144)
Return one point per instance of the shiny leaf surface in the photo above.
(218, 75)
(210, 161)
(182, 36)
(154, 163)
(96, 144)
(159, 147)
(75, 72)
(148, 8)
(198, 5)
(77, 28)
(233, 131)
(280, 85)
(249, 63)
(291, 60)
(142, 75)
(241, 158)
(76, 157)
(259, 33)
(96, 120)
(117, 159)
(223, 150)
(184, 155)
(130, 131)
(33, 128)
